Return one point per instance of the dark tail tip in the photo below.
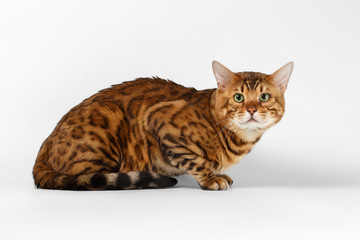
(167, 182)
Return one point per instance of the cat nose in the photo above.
(251, 110)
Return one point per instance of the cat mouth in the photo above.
(251, 120)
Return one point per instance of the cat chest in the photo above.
(228, 163)
(233, 155)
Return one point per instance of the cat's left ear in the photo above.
(223, 75)
(281, 77)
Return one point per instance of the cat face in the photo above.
(250, 101)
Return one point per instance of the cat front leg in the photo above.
(201, 169)
(192, 159)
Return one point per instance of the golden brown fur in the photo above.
(140, 133)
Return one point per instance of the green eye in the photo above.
(264, 97)
(238, 97)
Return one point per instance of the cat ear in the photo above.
(223, 75)
(281, 77)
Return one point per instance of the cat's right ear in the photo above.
(281, 77)
(223, 75)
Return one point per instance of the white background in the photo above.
(302, 180)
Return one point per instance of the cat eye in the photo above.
(264, 97)
(238, 97)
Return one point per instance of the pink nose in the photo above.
(251, 110)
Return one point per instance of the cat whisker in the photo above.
(212, 139)
(221, 122)
(229, 118)
(232, 132)
(229, 132)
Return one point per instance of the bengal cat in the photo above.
(140, 133)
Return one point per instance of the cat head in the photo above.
(250, 101)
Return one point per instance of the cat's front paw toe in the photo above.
(227, 178)
(216, 183)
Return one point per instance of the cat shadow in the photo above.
(255, 173)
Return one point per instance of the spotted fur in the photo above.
(141, 133)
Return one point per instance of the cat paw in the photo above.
(219, 182)
(227, 178)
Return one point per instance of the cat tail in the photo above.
(103, 181)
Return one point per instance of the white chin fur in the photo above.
(256, 125)
(251, 130)
(245, 124)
